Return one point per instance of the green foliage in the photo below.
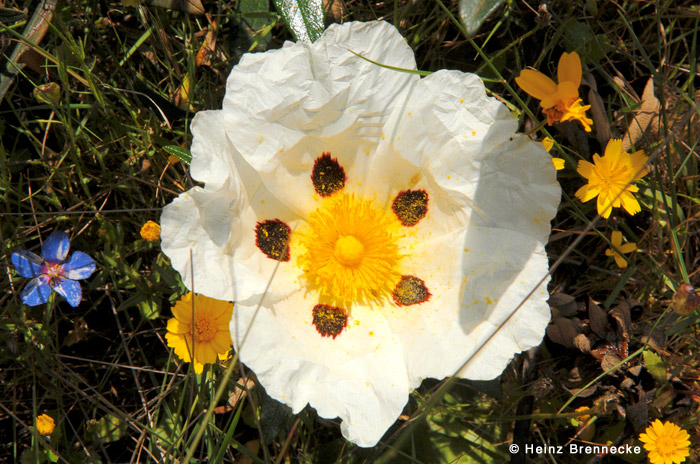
(474, 12)
(303, 17)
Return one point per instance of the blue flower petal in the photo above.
(28, 264)
(70, 290)
(79, 266)
(55, 247)
(36, 292)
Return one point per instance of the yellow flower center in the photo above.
(666, 446)
(204, 329)
(350, 251)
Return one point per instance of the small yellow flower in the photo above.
(150, 231)
(548, 143)
(45, 424)
(207, 322)
(666, 442)
(618, 249)
(610, 178)
(560, 102)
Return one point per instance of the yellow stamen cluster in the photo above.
(350, 251)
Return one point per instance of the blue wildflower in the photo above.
(51, 271)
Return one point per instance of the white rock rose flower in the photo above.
(374, 228)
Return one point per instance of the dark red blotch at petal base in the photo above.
(410, 206)
(329, 320)
(272, 238)
(409, 291)
(328, 176)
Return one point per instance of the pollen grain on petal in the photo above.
(272, 238)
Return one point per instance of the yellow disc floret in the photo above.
(351, 252)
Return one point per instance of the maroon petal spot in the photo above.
(410, 206)
(409, 291)
(272, 238)
(329, 320)
(328, 176)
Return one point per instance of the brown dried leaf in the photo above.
(574, 375)
(686, 300)
(656, 339)
(646, 118)
(598, 320)
(336, 8)
(562, 331)
(563, 305)
(582, 343)
(621, 314)
(638, 413)
(208, 47)
(188, 6)
(610, 360)
(243, 385)
(581, 393)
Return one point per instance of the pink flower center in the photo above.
(54, 271)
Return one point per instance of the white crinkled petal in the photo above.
(288, 106)
(502, 187)
(195, 230)
(360, 376)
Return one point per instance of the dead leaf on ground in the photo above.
(243, 385)
(610, 360)
(621, 314)
(563, 331)
(188, 6)
(582, 343)
(646, 118)
(562, 305)
(598, 320)
(686, 300)
(336, 8)
(638, 413)
(208, 48)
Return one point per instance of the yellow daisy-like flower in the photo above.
(610, 178)
(548, 143)
(559, 101)
(666, 442)
(150, 231)
(202, 330)
(45, 424)
(618, 249)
